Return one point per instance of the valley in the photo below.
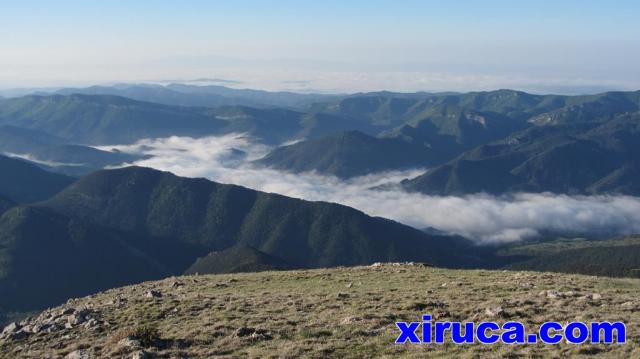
(101, 192)
(328, 179)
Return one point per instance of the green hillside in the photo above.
(5, 204)
(200, 95)
(394, 109)
(451, 129)
(122, 226)
(237, 259)
(57, 155)
(278, 125)
(213, 216)
(443, 126)
(24, 182)
(613, 258)
(348, 154)
(46, 257)
(104, 119)
(587, 158)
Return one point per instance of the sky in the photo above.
(561, 46)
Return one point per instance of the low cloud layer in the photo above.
(34, 159)
(482, 218)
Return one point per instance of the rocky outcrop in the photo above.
(51, 321)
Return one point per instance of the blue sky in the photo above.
(542, 46)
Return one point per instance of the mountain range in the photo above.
(493, 142)
(394, 109)
(350, 153)
(133, 224)
(64, 236)
(612, 258)
(184, 94)
(108, 119)
(575, 158)
(55, 154)
(85, 119)
(496, 142)
(275, 126)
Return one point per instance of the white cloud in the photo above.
(482, 218)
(308, 81)
(31, 158)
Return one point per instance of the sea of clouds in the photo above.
(482, 218)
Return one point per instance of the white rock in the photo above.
(78, 354)
(129, 343)
(153, 294)
(75, 319)
(10, 329)
(91, 324)
(495, 311)
(140, 354)
(553, 294)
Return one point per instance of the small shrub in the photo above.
(147, 335)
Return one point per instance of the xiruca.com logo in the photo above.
(512, 332)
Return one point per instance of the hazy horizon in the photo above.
(571, 47)
(17, 91)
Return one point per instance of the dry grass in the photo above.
(342, 313)
(146, 335)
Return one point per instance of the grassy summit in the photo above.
(342, 312)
